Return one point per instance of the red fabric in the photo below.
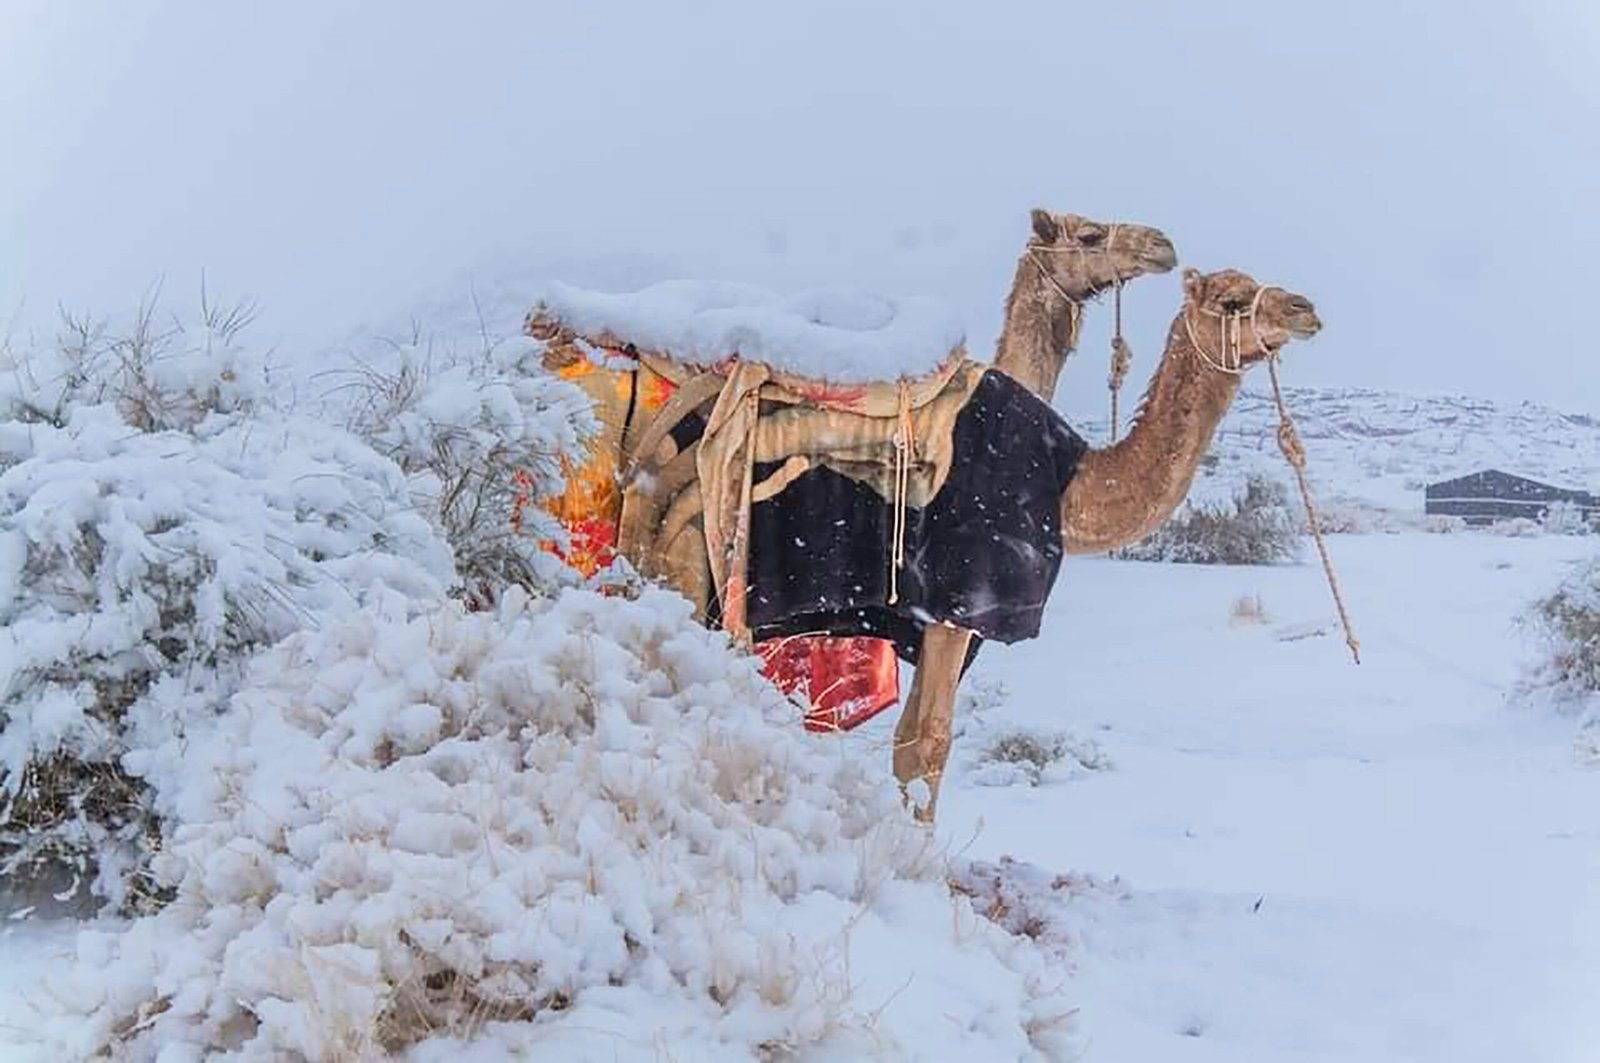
(848, 681)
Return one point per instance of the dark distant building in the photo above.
(1491, 495)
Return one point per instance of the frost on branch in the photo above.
(578, 827)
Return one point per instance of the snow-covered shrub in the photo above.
(1029, 901)
(1517, 528)
(1566, 624)
(1256, 527)
(1443, 523)
(1567, 621)
(158, 376)
(1247, 610)
(1350, 516)
(576, 827)
(1030, 756)
(1565, 518)
(158, 524)
(475, 433)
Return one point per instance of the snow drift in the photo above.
(578, 825)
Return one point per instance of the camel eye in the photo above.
(1091, 237)
(1233, 306)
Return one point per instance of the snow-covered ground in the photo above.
(1318, 861)
(1289, 857)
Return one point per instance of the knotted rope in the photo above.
(1230, 359)
(1121, 361)
(1121, 353)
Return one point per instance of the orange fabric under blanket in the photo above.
(848, 681)
(591, 504)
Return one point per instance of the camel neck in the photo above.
(1039, 331)
(1123, 492)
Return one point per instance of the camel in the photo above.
(1069, 261)
(1120, 494)
(1081, 500)
(1229, 323)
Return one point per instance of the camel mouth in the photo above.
(1159, 259)
(1305, 328)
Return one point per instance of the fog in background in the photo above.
(1427, 173)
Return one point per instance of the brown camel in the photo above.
(1068, 261)
(1109, 497)
(1120, 494)
(1228, 324)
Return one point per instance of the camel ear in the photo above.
(1045, 227)
(1194, 284)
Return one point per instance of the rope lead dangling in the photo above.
(1121, 361)
(1294, 452)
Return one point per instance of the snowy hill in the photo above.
(1382, 447)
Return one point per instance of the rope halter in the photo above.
(1076, 247)
(1121, 353)
(1230, 355)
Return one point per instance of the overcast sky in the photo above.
(1426, 172)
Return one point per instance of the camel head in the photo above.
(1235, 321)
(1084, 257)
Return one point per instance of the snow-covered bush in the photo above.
(475, 433)
(1351, 516)
(158, 376)
(1031, 902)
(1031, 756)
(158, 524)
(1567, 624)
(1443, 523)
(1566, 518)
(576, 827)
(1247, 610)
(1256, 527)
(1517, 528)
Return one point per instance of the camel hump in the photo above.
(831, 339)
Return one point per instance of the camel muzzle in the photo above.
(1161, 258)
(1304, 328)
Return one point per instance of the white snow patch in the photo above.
(1425, 854)
(829, 334)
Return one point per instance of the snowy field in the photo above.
(1287, 857)
(1318, 861)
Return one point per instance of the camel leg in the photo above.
(922, 737)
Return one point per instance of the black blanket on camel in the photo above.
(983, 554)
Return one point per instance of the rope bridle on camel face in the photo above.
(1121, 353)
(1230, 359)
